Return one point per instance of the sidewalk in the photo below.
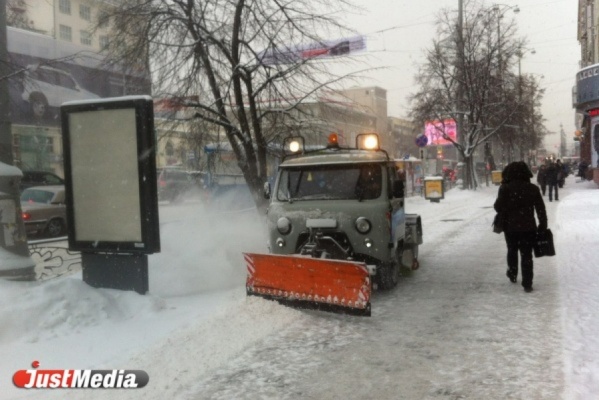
(576, 230)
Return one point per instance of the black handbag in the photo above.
(544, 244)
(497, 224)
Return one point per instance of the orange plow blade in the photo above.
(306, 282)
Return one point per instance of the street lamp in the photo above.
(500, 10)
(522, 140)
(520, 54)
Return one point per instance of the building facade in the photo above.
(81, 22)
(585, 94)
(55, 52)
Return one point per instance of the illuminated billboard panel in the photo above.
(110, 175)
(99, 181)
(47, 72)
(438, 131)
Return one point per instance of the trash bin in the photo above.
(434, 189)
(15, 261)
(496, 177)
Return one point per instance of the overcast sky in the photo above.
(398, 31)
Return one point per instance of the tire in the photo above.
(54, 228)
(39, 105)
(389, 276)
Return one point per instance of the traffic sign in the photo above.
(421, 140)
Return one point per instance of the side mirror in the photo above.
(266, 192)
(398, 189)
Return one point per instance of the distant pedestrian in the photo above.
(517, 201)
(542, 178)
(552, 180)
(561, 174)
(582, 170)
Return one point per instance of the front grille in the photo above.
(339, 237)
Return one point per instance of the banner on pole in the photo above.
(325, 49)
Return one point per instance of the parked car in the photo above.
(44, 210)
(174, 183)
(39, 178)
(44, 87)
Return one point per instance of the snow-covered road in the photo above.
(454, 329)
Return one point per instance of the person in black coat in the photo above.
(517, 201)
(552, 178)
(542, 178)
(582, 170)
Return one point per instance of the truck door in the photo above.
(396, 200)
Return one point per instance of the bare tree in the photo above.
(529, 118)
(464, 78)
(16, 14)
(214, 50)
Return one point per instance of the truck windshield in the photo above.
(356, 181)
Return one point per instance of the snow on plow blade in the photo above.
(306, 282)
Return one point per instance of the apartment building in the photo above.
(403, 133)
(585, 94)
(374, 99)
(82, 22)
(55, 48)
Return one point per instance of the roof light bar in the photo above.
(293, 145)
(368, 141)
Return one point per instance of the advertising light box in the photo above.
(110, 175)
(437, 132)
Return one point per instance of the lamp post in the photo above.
(522, 142)
(500, 10)
(5, 126)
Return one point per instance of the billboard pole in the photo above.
(5, 127)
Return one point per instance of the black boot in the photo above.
(511, 276)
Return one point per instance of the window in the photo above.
(37, 196)
(169, 149)
(64, 6)
(103, 42)
(65, 33)
(36, 143)
(66, 81)
(103, 19)
(85, 12)
(361, 182)
(86, 37)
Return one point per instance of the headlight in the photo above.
(284, 226)
(363, 225)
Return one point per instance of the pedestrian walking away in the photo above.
(517, 201)
(552, 180)
(561, 174)
(582, 170)
(542, 178)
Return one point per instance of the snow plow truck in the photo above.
(337, 228)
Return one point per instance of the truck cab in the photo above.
(345, 204)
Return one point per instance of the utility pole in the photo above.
(460, 93)
(5, 127)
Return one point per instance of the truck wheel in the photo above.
(388, 276)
